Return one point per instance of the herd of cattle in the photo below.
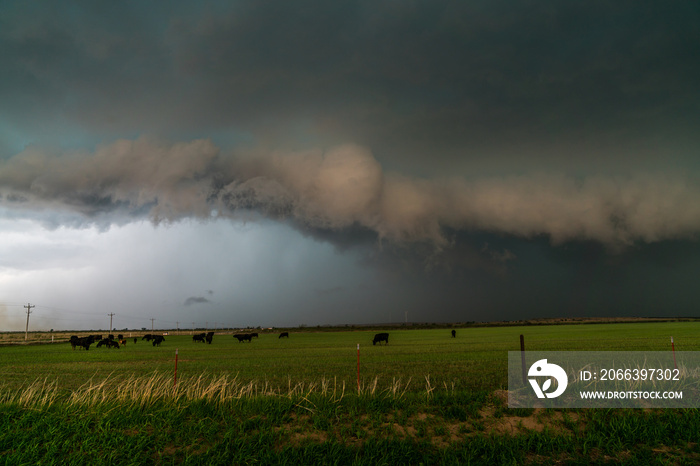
(111, 342)
(241, 337)
(208, 337)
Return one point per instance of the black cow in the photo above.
(147, 337)
(73, 341)
(209, 337)
(380, 337)
(454, 333)
(108, 343)
(120, 337)
(157, 339)
(255, 334)
(241, 337)
(83, 342)
(199, 337)
(135, 340)
(283, 335)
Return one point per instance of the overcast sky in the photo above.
(282, 163)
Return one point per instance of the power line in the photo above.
(11, 304)
(72, 316)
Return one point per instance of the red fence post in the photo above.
(358, 368)
(673, 348)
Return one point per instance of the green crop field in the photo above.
(424, 398)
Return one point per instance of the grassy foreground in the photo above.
(425, 398)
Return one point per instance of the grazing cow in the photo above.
(380, 337)
(199, 337)
(120, 337)
(283, 335)
(254, 334)
(454, 333)
(209, 336)
(135, 340)
(108, 343)
(110, 336)
(158, 339)
(147, 337)
(241, 337)
(83, 342)
(73, 341)
(122, 342)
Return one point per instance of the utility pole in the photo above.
(110, 322)
(192, 328)
(177, 325)
(152, 324)
(29, 311)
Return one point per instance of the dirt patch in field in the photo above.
(499, 420)
(170, 450)
(494, 418)
(404, 431)
(503, 423)
(299, 438)
(450, 433)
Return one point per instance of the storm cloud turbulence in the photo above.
(345, 186)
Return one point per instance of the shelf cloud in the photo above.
(345, 186)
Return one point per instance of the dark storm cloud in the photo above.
(330, 291)
(498, 256)
(438, 69)
(572, 280)
(196, 300)
(449, 79)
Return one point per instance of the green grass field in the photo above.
(425, 398)
(476, 359)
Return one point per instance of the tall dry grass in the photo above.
(37, 394)
(144, 391)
